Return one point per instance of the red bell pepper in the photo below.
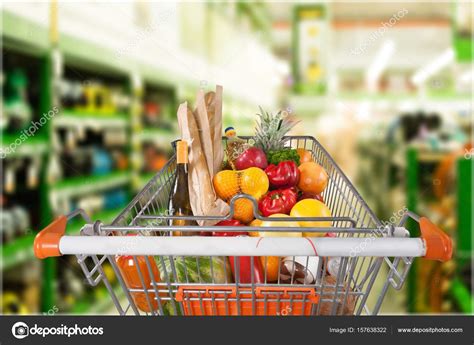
(245, 262)
(229, 222)
(278, 201)
(284, 175)
(245, 266)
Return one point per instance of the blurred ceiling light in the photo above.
(379, 64)
(433, 67)
(282, 67)
(363, 111)
(466, 77)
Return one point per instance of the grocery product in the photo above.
(311, 208)
(277, 201)
(226, 184)
(213, 101)
(229, 222)
(234, 146)
(203, 199)
(255, 222)
(254, 181)
(243, 210)
(313, 177)
(270, 223)
(285, 154)
(345, 302)
(251, 157)
(299, 269)
(270, 133)
(284, 175)
(195, 269)
(309, 195)
(245, 269)
(305, 155)
(249, 269)
(334, 265)
(179, 204)
(130, 267)
(271, 267)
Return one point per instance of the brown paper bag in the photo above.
(200, 114)
(213, 102)
(202, 196)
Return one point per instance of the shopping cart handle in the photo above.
(47, 240)
(439, 246)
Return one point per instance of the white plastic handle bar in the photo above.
(241, 246)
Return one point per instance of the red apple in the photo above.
(252, 157)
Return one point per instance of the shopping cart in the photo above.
(189, 275)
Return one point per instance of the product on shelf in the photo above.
(16, 107)
(71, 288)
(101, 162)
(120, 158)
(93, 97)
(91, 203)
(14, 222)
(154, 158)
(115, 199)
(11, 303)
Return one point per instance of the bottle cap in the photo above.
(182, 152)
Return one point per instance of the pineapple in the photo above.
(269, 136)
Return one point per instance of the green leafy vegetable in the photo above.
(287, 154)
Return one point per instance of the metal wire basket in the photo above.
(162, 274)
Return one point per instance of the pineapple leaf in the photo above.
(271, 130)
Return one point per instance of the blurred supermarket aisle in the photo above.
(90, 93)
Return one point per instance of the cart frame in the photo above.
(362, 244)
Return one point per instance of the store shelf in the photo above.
(34, 37)
(89, 184)
(21, 249)
(104, 303)
(143, 179)
(76, 119)
(158, 136)
(28, 147)
(463, 297)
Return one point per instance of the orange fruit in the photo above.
(254, 181)
(313, 177)
(226, 184)
(305, 155)
(243, 210)
(311, 208)
(255, 222)
(271, 266)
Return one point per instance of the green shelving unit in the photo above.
(29, 37)
(459, 291)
